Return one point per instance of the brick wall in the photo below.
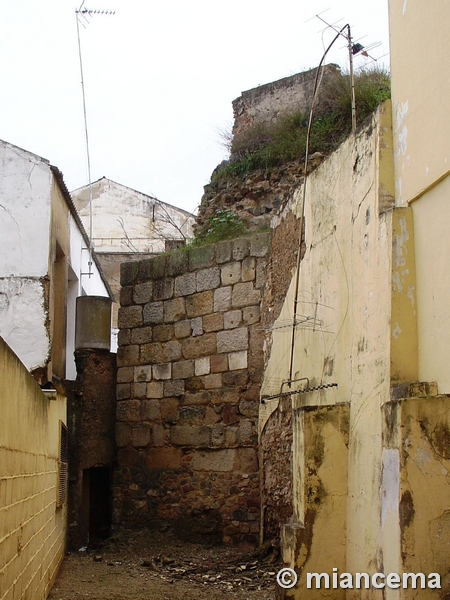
(32, 527)
(190, 363)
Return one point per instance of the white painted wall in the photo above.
(79, 284)
(25, 185)
(125, 220)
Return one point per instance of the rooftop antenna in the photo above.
(82, 19)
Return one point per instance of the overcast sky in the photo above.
(160, 78)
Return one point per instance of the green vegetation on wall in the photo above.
(266, 145)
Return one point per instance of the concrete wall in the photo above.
(422, 167)
(190, 364)
(32, 527)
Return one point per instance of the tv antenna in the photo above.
(82, 15)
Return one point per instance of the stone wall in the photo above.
(268, 102)
(190, 363)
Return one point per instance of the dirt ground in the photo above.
(158, 567)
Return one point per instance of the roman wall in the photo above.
(190, 364)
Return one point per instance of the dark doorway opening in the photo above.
(99, 497)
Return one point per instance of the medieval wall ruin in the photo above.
(190, 364)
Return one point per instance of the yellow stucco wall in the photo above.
(420, 45)
(32, 528)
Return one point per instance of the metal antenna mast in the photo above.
(83, 13)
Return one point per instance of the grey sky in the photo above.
(160, 78)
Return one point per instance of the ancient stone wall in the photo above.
(190, 364)
(268, 102)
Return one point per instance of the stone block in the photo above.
(213, 381)
(140, 436)
(208, 279)
(162, 289)
(126, 295)
(197, 326)
(177, 263)
(139, 390)
(155, 389)
(260, 244)
(123, 434)
(151, 410)
(225, 396)
(128, 272)
(158, 434)
(185, 284)
(163, 333)
(141, 335)
(202, 366)
(246, 460)
(170, 409)
(202, 398)
(194, 384)
(213, 322)
(222, 299)
(249, 408)
(241, 248)
(232, 319)
(162, 371)
(199, 258)
(221, 461)
(172, 351)
(142, 292)
(124, 337)
(251, 315)
(247, 432)
(229, 414)
(123, 391)
(238, 379)
(152, 353)
(183, 369)
(125, 374)
(159, 264)
(143, 373)
(248, 269)
(200, 346)
(128, 410)
(224, 251)
(232, 340)
(217, 435)
(174, 310)
(153, 312)
(130, 316)
(231, 273)
(192, 415)
(128, 356)
(145, 269)
(185, 435)
(237, 360)
(219, 363)
(182, 329)
(231, 436)
(164, 458)
(200, 304)
(261, 273)
(173, 387)
(244, 294)
(211, 417)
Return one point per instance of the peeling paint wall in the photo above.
(421, 123)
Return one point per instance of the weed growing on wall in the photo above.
(224, 224)
(266, 145)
